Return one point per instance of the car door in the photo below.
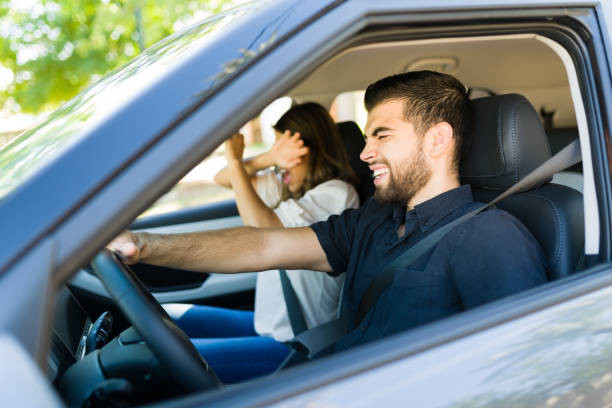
(550, 346)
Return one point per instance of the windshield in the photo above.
(30, 151)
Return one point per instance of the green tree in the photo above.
(55, 48)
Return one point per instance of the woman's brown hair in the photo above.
(328, 157)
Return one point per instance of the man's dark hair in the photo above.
(429, 98)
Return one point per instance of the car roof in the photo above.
(522, 64)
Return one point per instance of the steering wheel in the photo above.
(170, 344)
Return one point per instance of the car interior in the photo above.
(524, 96)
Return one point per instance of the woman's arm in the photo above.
(286, 152)
(251, 165)
(252, 209)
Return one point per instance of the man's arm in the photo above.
(234, 250)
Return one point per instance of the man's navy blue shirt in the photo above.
(490, 256)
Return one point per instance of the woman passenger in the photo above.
(304, 178)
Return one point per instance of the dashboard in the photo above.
(71, 327)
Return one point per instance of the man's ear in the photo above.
(441, 139)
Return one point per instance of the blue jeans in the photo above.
(228, 342)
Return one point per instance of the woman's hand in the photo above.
(234, 148)
(288, 150)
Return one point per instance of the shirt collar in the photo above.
(433, 210)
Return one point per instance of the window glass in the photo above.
(29, 152)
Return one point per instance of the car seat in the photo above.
(354, 144)
(509, 141)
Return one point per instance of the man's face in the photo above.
(394, 153)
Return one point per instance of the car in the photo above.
(77, 179)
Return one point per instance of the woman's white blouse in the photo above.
(317, 292)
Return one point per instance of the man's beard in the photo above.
(406, 179)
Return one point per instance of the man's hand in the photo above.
(288, 150)
(234, 148)
(127, 246)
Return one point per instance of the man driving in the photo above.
(418, 130)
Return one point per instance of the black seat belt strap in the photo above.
(567, 157)
(384, 278)
(294, 310)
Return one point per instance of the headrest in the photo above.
(509, 142)
(354, 144)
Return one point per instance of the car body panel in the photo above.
(23, 314)
(560, 356)
(468, 354)
(27, 386)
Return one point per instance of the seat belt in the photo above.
(567, 157)
(294, 310)
(319, 338)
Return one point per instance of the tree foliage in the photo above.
(55, 48)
